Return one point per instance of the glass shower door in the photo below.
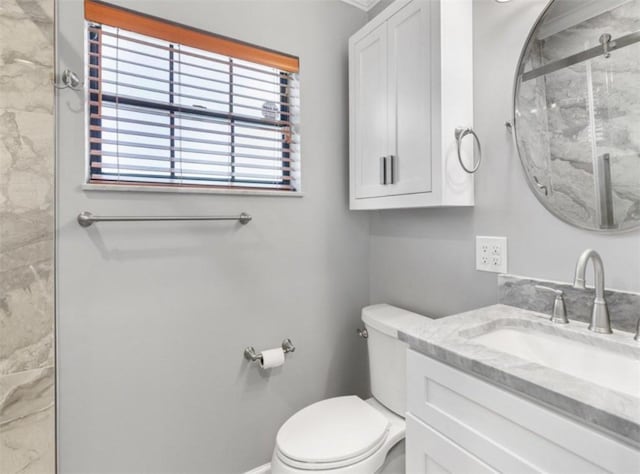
(614, 135)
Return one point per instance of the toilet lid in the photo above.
(332, 430)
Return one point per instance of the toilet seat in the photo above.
(369, 461)
(332, 433)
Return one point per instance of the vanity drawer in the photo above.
(427, 451)
(509, 433)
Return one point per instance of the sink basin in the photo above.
(613, 370)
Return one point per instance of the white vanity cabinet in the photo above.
(458, 423)
(410, 87)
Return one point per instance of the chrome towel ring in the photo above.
(460, 133)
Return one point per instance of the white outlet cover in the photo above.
(491, 254)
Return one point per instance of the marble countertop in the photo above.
(449, 340)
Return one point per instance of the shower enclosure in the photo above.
(27, 427)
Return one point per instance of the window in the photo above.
(174, 106)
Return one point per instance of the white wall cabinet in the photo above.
(458, 423)
(411, 86)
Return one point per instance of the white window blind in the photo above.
(163, 113)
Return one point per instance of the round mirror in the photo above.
(577, 112)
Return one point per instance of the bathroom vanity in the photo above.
(502, 389)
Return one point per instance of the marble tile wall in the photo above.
(27, 428)
(624, 307)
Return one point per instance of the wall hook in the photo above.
(70, 80)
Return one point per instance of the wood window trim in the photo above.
(148, 25)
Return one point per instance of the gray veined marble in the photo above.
(450, 340)
(27, 422)
(624, 307)
(27, 436)
(26, 193)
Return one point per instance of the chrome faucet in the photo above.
(600, 321)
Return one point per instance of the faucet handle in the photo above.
(559, 315)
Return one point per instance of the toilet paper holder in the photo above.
(250, 352)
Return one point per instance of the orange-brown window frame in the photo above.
(148, 25)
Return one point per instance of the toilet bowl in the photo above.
(349, 435)
(339, 436)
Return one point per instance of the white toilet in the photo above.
(347, 434)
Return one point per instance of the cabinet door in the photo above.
(410, 98)
(505, 431)
(428, 452)
(369, 89)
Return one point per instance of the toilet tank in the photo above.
(387, 353)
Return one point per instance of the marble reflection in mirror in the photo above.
(577, 112)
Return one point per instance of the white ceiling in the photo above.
(362, 4)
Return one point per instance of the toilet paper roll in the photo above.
(272, 358)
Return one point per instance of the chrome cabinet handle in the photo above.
(387, 169)
(391, 172)
(460, 133)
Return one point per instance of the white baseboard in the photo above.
(264, 469)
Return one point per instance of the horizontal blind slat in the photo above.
(189, 171)
(163, 182)
(149, 146)
(180, 138)
(188, 111)
(175, 94)
(184, 63)
(160, 159)
(97, 128)
(190, 86)
(193, 115)
(209, 152)
(182, 73)
(181, 52)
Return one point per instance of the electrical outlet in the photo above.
(491, 254)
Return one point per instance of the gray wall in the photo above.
(153, 318)
(424, 259)
(378, 7)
